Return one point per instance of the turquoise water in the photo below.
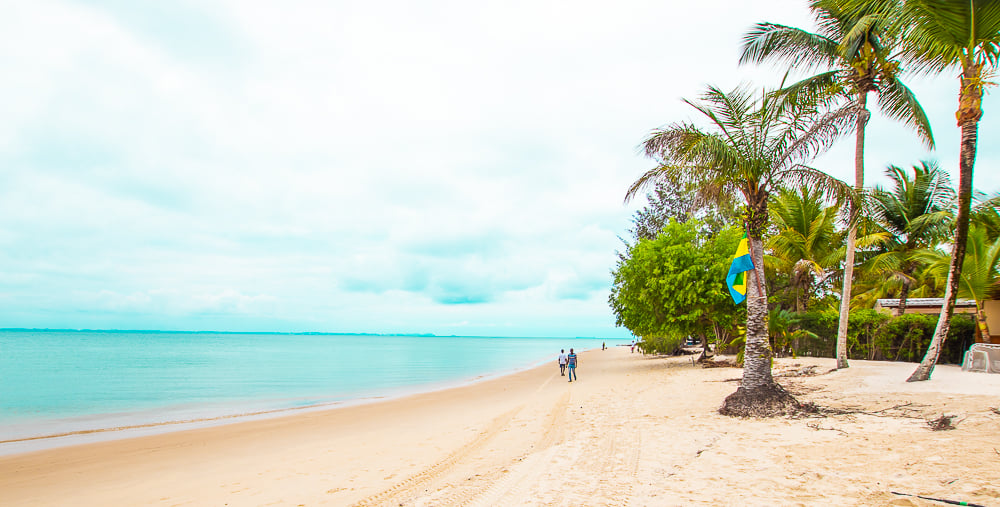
(64, 381)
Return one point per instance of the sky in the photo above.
(445, 167)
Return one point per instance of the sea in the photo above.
(66, 387)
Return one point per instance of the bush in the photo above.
(878, 336)
(904, 338)
(823, 326)
(661, 344)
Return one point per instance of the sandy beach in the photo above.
(634, 430)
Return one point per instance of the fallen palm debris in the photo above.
(942, 423)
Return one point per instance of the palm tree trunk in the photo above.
(904, 294)
(969, 113)
(982, 328)
(859, 184)
(758, 395)
(757, 357)
(807, 290)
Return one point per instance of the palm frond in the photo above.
(822, 89)
(986, 213)
(885, 263)
(946, 32)
(771, 41)
(801, 175)
(820, 135)
(899, 103)
(647, 180)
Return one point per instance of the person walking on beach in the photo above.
(571, 362)
(562, 362)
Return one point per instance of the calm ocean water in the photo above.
(55, 382)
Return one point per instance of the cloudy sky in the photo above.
(447, 167)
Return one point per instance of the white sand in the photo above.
(633, 431)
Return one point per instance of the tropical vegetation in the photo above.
(756, 144)
(856, 54)
(823, 251)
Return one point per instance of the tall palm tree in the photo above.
(916, 214)
(807, 245)
(757, 144)
(857, 52)
(941, 35)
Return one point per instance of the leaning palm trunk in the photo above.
(904, 295)
(982, 327)
(859, 184)
(969, 113)
(758, 395)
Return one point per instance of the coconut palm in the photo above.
(856, 51)
(807, 245)
(916, 214)
(756, 144)
(942, 35)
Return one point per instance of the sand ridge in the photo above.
(634, 430)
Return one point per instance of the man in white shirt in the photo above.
(562, 363)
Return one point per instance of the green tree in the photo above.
(671, 287)
(916, 215)
(856, 52)
(756, 145)
(807, 245)
(666, 202)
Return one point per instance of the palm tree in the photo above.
(941, 35)
(916, 215)
(857, 51)
(807, 245)
(756, 145)
(783, 326)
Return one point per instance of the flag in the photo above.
(736, 280)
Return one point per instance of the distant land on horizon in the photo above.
(158, 331)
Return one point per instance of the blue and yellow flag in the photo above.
(736, 280)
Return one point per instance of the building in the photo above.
(991, 308)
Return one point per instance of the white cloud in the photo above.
(382, 166)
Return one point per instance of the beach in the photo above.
(633, 430)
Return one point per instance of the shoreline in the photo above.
(217, 417)
(635, 429)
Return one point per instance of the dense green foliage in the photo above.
(879, 336)
(649, 296)
(806, 246)
(672, 287)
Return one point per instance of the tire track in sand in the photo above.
(509, 485)
(408, 486)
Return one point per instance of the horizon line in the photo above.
(153, 331)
